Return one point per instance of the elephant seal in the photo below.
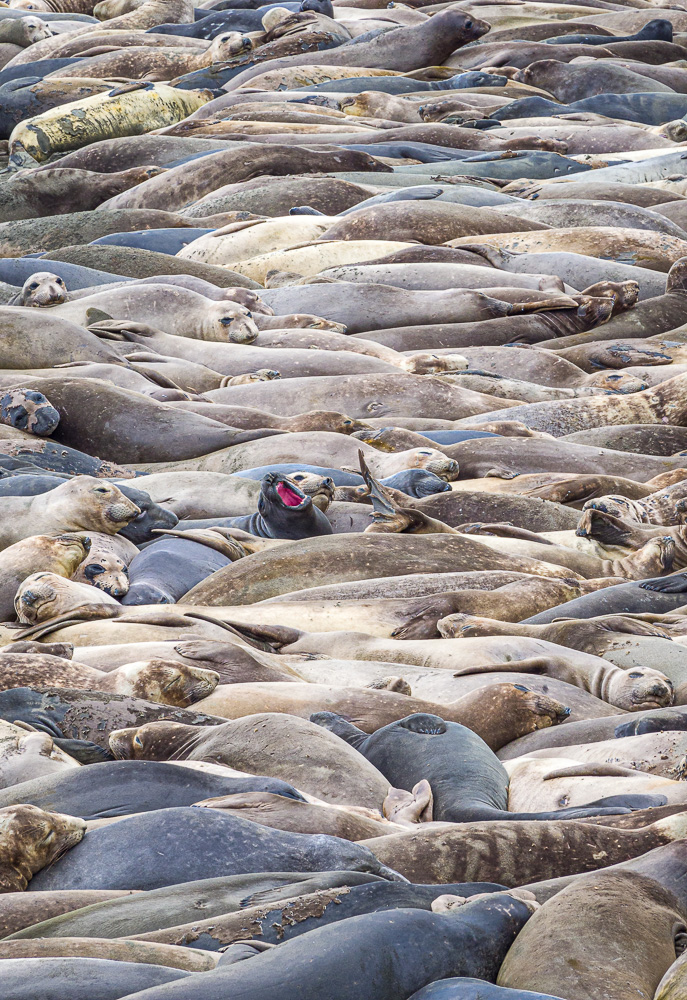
(517, 711)
(659, 753)
(141, 953)
(591, 731)
(272, 923)
(624, 598)
(337, 558)
(132, 108)
(516, 849)
(42, 289)
(141, 529)
(635, 690)
(411, 750)
(310, 965)
(71, 714)
(284, 511)
(567, 924)
(168, 568)
(47, 595)
(60, 554)
(305, 758)
(81, 504)
(106, 566)
(167, 846)
(30, 839)
(354, 823)
(673, 983)
(168, 683)
(175, 905)
(28, 410)
(475, 989)
(21, 910)
(121, 788)
(84, 978)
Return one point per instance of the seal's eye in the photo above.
(33, 286)
(138, 742)
(101, 489)
(468, 24)
(635, 674)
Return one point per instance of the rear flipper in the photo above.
(675, 584)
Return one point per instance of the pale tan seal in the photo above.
(308, 756)
(82, 504)
(30, 839)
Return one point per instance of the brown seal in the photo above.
(575, 944)
(338, 558)
(42, 596)
(500, 716)
(20, 910)
(518, 851)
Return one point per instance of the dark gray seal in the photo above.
(169, 241)
(475, 989)
(284, 511)
(657, 30)
(168, 568)
(468, 781)
(122, 787)
(167, 846)
(15, 271)
(394, 954)
(308, 910)
(80, 978)
(625, 598)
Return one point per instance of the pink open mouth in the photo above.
(289, 496)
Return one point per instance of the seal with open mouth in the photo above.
(284, 511)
